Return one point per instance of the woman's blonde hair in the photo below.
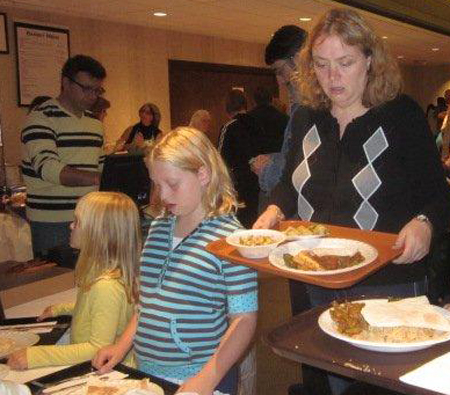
(384, 81)
(189, 149)
(110, 240)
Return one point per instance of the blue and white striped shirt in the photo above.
(186, 296)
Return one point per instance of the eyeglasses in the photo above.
(87, 90)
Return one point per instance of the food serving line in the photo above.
(303, 339)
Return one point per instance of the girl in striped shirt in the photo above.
(197, 313)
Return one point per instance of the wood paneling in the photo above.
(195, 86)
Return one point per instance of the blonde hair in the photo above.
(189, 149)
(384, 81)
(110, 240)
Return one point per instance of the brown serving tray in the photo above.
(383, 242)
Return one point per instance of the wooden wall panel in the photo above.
(195, 86)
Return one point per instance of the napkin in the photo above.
(431, 376)
(410, 312)
(39, 327)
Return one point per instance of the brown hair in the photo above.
(384, 82)
(154, 110)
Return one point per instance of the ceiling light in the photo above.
(160, 13)
(435, 49)
(384, 37)
(305, 19)
(400, 57)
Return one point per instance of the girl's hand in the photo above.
(18, 360)
(47, 313)
(269, 218)
(196, 385)
(108, 357)
(415, 240)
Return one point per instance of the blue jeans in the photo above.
(320, 296)
(47, 235)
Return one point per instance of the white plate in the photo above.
(303, 237)
(328, 326)
(19, 340)
(368, 252)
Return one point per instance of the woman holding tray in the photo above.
(361, 155)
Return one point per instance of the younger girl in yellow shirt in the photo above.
(106, 230)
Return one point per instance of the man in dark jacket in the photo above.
(271, 121)
(238, 144)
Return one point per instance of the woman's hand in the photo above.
(108, 357)
(415, 240)
(47, 313)
(269, 218)
(18, 360)
(196, 385)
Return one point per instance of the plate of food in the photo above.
(323, 256)
(383, 325)
(11, 341)
(306, 231)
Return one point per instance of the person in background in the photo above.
(371, 160)
(201, 120)
(200, 343)
(137, 138)
(280, 56)
(37, 101)
(62, 156)
(106, 230)
(271, 122)
(442, 106)
(238, 144)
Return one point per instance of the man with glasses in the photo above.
(62, 153)
(280, 54)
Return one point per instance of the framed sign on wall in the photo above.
(41, 53)
(4, 46)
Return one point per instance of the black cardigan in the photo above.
(404, 179)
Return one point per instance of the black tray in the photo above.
(85, 367)
(44, 338)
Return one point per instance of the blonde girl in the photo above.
(197, 312)
(106, 230)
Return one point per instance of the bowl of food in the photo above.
(256, 243)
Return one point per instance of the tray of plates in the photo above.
(366, 251)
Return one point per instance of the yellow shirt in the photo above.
(99, 317)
